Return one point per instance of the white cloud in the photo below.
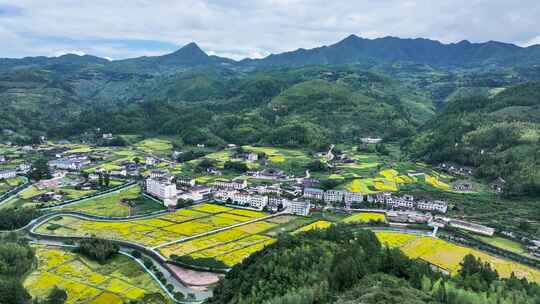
(241, 28)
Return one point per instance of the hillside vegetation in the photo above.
(499, 135)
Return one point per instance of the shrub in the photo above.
(98, 249)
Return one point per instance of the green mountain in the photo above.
(498, 134)
(356, 50)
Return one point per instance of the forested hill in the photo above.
(500, 135)
(344, 265)
(309, 106)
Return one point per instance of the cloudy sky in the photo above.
(250, 28)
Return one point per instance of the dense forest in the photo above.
(347, 265)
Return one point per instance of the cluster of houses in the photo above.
(456, 169)
(333, 196)
(72, 163)
(23, 168)
(170, 189)
(408, 202)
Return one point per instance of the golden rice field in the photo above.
(316, 225)
(448, 255)
(157, 230)
(365, 217)
(155, 145)
(118, 281)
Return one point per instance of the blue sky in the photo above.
(249, 28)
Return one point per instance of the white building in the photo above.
(150, 161)
(2, 159)
(297, 207)
(5, 174)
(25, 167)
(334, 196)
(163, 189)
(313, 193)
(197, 193)
(68, 163)
(186, 181)
(370, 140)
(107, 136)
(231, 185)
(353, 197)
(440, 206)
(476, 228)
(122, 173)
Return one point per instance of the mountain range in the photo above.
(351, 50)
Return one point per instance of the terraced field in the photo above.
(448, 256)
(117, 281)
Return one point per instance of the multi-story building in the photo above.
(313, 193)
(10, 173)
(158, 173)
(163, 189)
(440, 206)
(197, 193)
(69, 163)
(353, 197)
(234, 185)
(185, 181)
(334, 196)
(296, 207)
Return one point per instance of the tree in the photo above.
(13, 292)
(98, 249)
(40, 169)
(137, 160)
(107, 179)
(56, 296)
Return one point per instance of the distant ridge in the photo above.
(351, 50)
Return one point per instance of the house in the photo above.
(163, 189)
(69, 163)
(248, 156)
(2, 159)
(10, 173)
(353, 197)
(176, 154)
(463, 186)
(296, 207)
(313, 193)
(150, 161)
(334, 196)
(93, 176)
(440, 206)
(408, 217)
(309, 182)
(213, 171)
(234, 185)
(25, 168)
(253, 201)
(185, 181)
(122, 173)
(158, 173)
(370, 140)
(197, 193)
(107, 136)
(498, 185)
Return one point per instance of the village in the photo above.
(211, 200)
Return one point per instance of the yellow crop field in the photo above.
(211, 208)
(365, 217)
(202, 243)
(256, 227)
(435, 182)
(385, 185)
(234, 257)
(448, 255)
(158, 230)
(361, 185)
(389, 173)
(248, 213)
(86, 281)
(231, 246)
(394, 239)
(316, 225)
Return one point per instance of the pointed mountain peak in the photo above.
(191, 50)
